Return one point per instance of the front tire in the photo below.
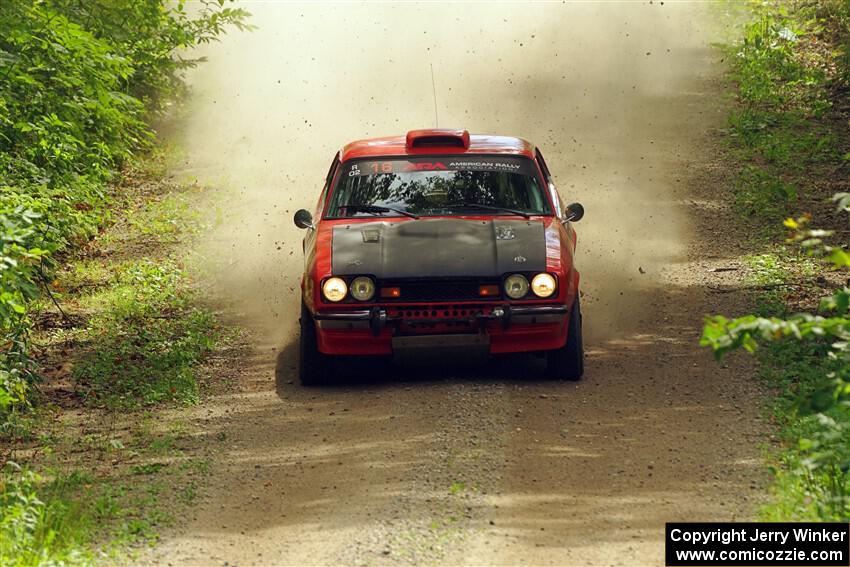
(567, 362)
(313, 366)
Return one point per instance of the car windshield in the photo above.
(438, 186)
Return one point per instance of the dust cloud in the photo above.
(598, 86)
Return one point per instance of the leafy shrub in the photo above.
(150, 32)
(35, 531)
(769, 69)
(762, 192)
(77, 81)
(816, 385)
(19, 259)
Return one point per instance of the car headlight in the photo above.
(362, 288)
(516, 286)
(334, 289)
(543, 285)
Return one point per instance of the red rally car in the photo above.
(439, 240)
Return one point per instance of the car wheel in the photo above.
(567, 362)
(314, 366)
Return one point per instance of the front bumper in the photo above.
(498, 328)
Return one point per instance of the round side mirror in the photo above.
(303, 219)
(574, 212)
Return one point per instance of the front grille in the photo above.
(440, 290)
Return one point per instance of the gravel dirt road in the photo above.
(485, 464)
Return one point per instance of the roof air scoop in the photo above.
(438, 138)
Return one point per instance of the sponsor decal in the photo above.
(425, 166)
(485, 166)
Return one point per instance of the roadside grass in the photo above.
(782, 126)
(82, 517)
(146, 334)
(99, 482)
(160, 220)
(785, 280)
(36, 527)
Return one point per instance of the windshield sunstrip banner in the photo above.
(359, 168)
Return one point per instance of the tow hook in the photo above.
(377, 319)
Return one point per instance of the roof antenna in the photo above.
(434, 89)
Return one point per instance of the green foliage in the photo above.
(810, 484)
(814, 380)
(149, 337)
(166, 220)
(63, 92)
(791, 63)
(147, 468)
(771, 71)
(150, 32)
(762, 193)
(780, 125)
(77, 81)
(20, 259)
(77, 518)
(37, 531)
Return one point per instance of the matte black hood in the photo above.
(439, 248)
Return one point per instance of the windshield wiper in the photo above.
(465, 205)
(378, 209)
